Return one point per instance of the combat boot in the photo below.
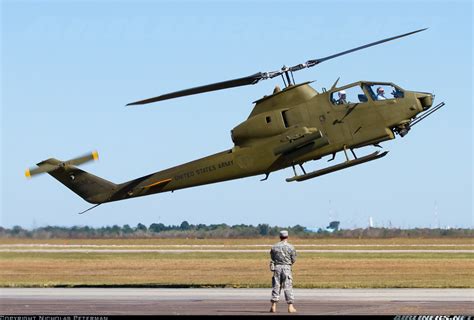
(273, 309)
(291, 309)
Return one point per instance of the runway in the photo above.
(119, 301)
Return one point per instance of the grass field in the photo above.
(269, 241)
(237, 269)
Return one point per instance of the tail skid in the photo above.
(82, 212)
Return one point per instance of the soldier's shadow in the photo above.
(240, 311)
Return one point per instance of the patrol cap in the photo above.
(283, 233)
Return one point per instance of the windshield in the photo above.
(348, 95)
(383, 91)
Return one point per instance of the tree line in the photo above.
(202, 231)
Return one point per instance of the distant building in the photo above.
(316, 230)
(333, 226)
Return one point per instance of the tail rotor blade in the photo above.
(83, 159)
(52, 164)
(29, 173)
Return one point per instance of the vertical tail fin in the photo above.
(89, 187)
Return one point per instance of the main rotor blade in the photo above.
(313, 62)
(253, 79)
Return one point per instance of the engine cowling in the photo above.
(262, 125)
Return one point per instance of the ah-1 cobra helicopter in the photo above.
(287, 128)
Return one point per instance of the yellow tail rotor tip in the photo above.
(27, 173)
(95, 155)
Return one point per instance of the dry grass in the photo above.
(331, 270)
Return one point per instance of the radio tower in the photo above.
(330, 211)
(436, 215)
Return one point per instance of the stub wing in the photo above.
(311, 140)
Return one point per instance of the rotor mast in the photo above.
(286, 71)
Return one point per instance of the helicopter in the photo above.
(288, 128)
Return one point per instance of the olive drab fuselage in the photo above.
(282, 118)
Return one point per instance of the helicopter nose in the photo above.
(426, 100)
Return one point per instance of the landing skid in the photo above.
(340, 166)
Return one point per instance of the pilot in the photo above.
(282, 255)
(380, 93)
(342, 97)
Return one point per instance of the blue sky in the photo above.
(68, 69)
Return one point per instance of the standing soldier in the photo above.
(283, 256)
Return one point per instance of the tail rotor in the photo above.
(52, 164)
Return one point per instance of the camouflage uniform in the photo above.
(283, 255)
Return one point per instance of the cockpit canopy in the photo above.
(361, 92)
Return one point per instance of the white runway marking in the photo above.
(229, 248)
(234, 293)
